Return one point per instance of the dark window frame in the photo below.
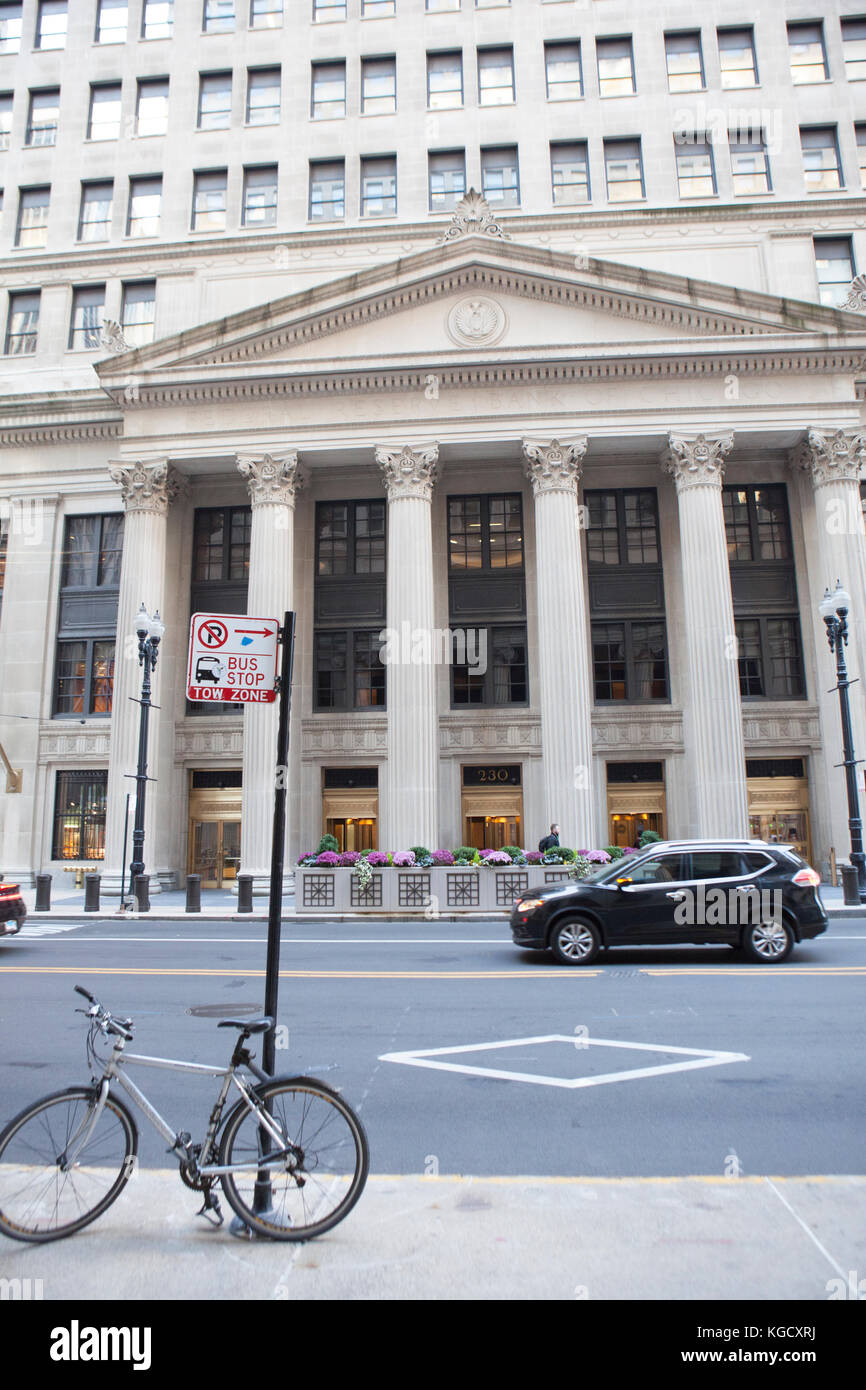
(352, 538)
(67, 778)
(352, 638)
(487, 679)
(485, 568)
(629, 661)
(752, 490)
(771, 690)
(87, 710)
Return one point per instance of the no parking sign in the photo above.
(232, 658)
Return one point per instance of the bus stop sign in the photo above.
(232, 658)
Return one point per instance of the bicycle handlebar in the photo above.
(103, 1017)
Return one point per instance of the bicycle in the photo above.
(66, 1158)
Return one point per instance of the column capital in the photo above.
(272, 479)
(554, 465)
(697, 461)
(147, 487)
(408, 472)
(831, 458)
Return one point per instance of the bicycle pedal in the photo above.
(211, 1211)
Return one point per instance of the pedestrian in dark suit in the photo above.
(550, 841)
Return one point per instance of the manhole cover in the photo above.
(224, 1010)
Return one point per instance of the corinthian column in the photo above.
(563, 641)
(834, 464)
(147, 489)
(411, 811)
(713, 723)
(273, 482)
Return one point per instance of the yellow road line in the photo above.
(754, 972)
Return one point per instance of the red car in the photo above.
(12, 909)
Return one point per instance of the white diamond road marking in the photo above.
(701, 1057)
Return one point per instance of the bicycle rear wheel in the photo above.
(316, 1176)
(42, 1196)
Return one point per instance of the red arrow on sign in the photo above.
(254, 631)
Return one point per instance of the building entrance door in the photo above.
(635, 802)
(778, 791)
(492, 806)
(216, 851)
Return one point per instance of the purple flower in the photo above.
(596, 856)
(630, 849)
(329, 859)
(377, 859)
(495, 856)
(533, 856)
(442, 856)
(349, 858)
(403, 859)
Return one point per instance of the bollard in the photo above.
(850, 884)
(245, 892)
(91, 892)
(43, 893)
(193, 892)
(141, 889)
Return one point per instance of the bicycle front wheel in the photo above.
(302, 1186)
(51, 1184)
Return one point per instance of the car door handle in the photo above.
(680, 893)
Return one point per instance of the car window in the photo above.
(716, 863)
(665, 869)
(754, 863)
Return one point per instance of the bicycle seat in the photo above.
(249, 1025)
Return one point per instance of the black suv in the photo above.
(756, 897)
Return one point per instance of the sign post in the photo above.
(278, 843)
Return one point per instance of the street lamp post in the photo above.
(834, 610)
(149, 631)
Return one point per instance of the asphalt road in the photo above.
(789, 1102)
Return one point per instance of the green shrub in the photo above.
(465, 854)
(328, 843)
(513, 851)
(648, 837)
(615, 851)
(420, 852)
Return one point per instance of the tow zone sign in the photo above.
(232, 657)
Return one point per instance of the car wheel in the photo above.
(575, 942)
(768, 943)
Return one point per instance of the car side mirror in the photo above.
(621, 882)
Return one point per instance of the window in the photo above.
(495, 76)
(629, 661)
(32, 230)
(157, 20)
(447, 179)
(10, 28)
(221, 545)
(22, 323)
(737, 57)
(821, 164)
(569, 169)
(378, 86)
(685, 62)
(214, 101)
(854, 48)
(266, 14)
(490, 4)
(808, 55)
(327, 190)
(219, 16)
(85, 325)
(329, 90)
(260, 196)
(51, 24)
(104, 118)
(94, 218)
(834, 261)
(5, 119)
(860, 132)
(151, 108)
(349, 672)
(43, 116)
(145, 205)
(377, 9)
(444, 80)
(112, 18)
(137, 313)
(324, 10)
(350, 538)
(696, 172)
(770, 658)
(563, 71)
(379, 186)
(760, 556)
(500, 177)
(209, 201)
(756, 523)
(624, 170)
(615, 67)
(499, 673)
(623, 528)
(350, 560)
(485, 533)
(79, 815)
(90, 577)
(263, 96)
(440, 6)
(750, 163)
(486, 596)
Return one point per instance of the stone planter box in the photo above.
(416, 892)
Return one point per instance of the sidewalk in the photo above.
(455, 1238)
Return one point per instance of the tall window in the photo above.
(263, 96)
(157, 19)
(854, 48)
(22, 323)
(500, 176)
(444, 80)
(623, 166)
(350, 579)
(569, 169)
(6, 99)
(138, 312)
(209, 200)
(328, 90)
(85, 324)
(563, 71)
(696, 174)
(378, 86)
(145, 203)
(51, 22)
(32, 229)
(808, 54)
(860, 132)
(685, 62)
(79, 815)
(219, 16)
(834, 262)
(90, 578)
(104, 116)
(379, 186)
(495, 76)
(221, 545)
(487, 600)
(615, 67)
(10, 28)
(260, 196)
(750, 163)
(447, 177)
(215, 101)
(151, 110)
(629, 642)
(43, 116)
(112, 18)
(266, 14)
(763, 586)
(327, 190)
(94, 218)
(821, 163)
(323, 10)
(737, 59)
